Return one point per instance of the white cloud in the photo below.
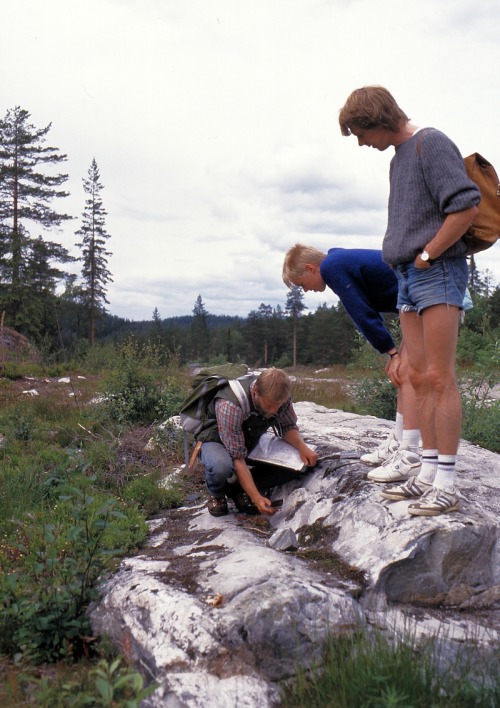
(214, 125)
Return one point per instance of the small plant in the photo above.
(133, 395)
(375, 395)
(108, 684)
(481, 414)
(150, 497)
(50, 575)
(370, 670)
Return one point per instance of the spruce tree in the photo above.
(294, 307)
(27, 190)
(265, 312)
(157, 327)
(95, 273)
(200, 336)
(41, 278)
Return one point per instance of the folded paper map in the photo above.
(275, 451)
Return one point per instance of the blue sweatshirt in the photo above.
(366, 287)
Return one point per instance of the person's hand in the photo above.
(392, 370)
(264, 506)
(420, 264)
(310, 457)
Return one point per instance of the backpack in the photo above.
(206, 384)
(485, 228)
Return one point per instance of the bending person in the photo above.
(367, 287)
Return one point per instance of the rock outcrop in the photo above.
(219, 611)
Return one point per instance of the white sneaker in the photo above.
(383, 452)
(401, 466)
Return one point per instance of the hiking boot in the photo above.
(241, 499)
(435, 502)
(217, 506)
(383, 452)
(400, 467)
(412, 489)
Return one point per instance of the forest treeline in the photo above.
(64, 314)
(270, 336)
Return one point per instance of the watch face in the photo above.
(424, 256)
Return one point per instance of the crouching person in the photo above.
(230, 437)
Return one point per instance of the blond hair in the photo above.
(296, 259)
(371, 107)
(274, 385)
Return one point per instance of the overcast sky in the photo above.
(214, 126)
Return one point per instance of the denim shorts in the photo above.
(444, 282)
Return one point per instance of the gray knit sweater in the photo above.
(427, 181)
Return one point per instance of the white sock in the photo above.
(429, 466)
(398, 427)
(445, 475)
(411, 440)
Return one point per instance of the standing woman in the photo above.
(432, 202)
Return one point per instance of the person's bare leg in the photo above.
(440, 333)
(407, 400)
(413, 335)
(432, 342)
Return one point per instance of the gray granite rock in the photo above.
(219, 616)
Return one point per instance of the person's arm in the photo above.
(453, 192)
(356, 302)
(393, 364)
(453, 228)
(294, 438)
(230, 426)
(287, 419)
(245, 478)
(229, 422)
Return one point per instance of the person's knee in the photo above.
(418, 379)
(441, 381)
(217, 463)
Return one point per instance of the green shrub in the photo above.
(133, 393)
(109, 682)
(146, 492)
(18, 423)
(375, 395)
(481, 414)
(51, 571)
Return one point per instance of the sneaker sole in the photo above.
(433, 512)
(379, 461)
(397, 497)
(372, 462)
(388, 480)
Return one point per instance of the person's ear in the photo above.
(311, 268)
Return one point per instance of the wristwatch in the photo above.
(425, 257)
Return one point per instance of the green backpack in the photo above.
(206, 383)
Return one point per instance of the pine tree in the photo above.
(95, 273)
(200, 336)
(41, 278)
(26, 193)
(265, 312)
(294, 307)
(157, 328)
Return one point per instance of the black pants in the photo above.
(267, 476)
